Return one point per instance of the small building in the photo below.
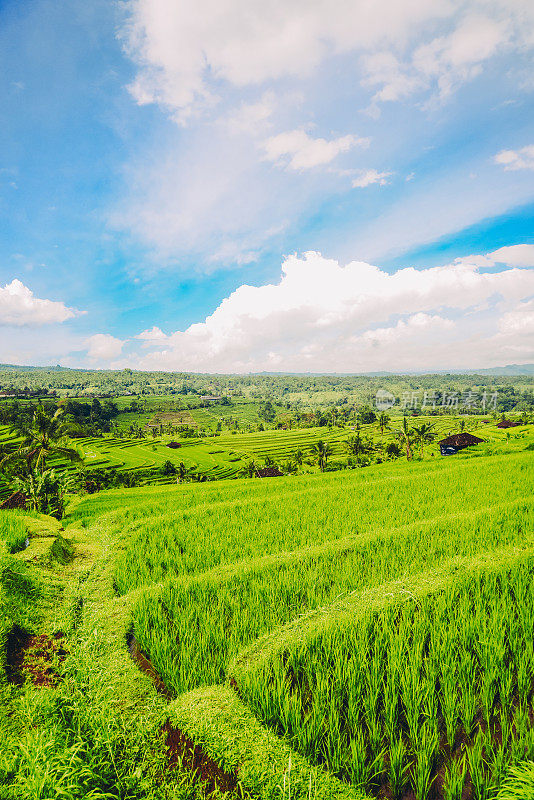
(174, 445)
(268, 472)
(507, 423)
(210, 398)
(456, 442)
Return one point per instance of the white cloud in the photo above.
(298, 150)
(155, 334)
(517, 255)
(103, 346)
(516, 159)
(396, 80)
(456, 58)
(370, 176)
(520, 321)
(185, 51)
(323, 316)
(19, 306)
(252, 117)
(476, 261)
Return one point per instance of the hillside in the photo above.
(290, 637)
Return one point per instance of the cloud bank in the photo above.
(185, 52)
(323, 316)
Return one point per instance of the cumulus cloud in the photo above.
(155, 334)
(323, 316)
(516, 159)
(19, 306)
(103, 347)
(519, 321)
(370, 176)
(517, 255)
(298, 150)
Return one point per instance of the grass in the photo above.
(399, 683)
(377, 624)
(234, 605)
(163, 532)
(13, 531)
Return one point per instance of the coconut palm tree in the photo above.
(321, 452)
(249, 470)
(424, 434)
(405, 436)
(383, 422)
(357, 446)
(298, 457)
(43, 437)
(45, 491)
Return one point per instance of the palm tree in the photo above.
(322, 453)
(404, 436)
(45, 491)
(290, 466)
(249, 470)
(424, 434)
(298, 457)
(182, 471)
(383, 422)
(43, 437)
(357, 446)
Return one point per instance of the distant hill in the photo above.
(511, 369)
(56, 368)
(508, 370)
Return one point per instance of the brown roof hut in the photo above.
(268, 472)
(457, 442)
(174, 445)
(507, 423)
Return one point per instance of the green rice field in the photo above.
(377, 621)
(353, 634)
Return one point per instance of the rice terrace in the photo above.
(359, 626)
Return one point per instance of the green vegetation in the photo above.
(359, 627)
(388, 686)
(13, 532)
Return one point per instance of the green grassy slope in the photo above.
(213, 571)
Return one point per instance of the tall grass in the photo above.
(443, 679)
(192, 627)
(172, 533)
(12, 531)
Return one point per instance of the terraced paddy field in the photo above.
(352, 634)
(226, 456)
(205, 457)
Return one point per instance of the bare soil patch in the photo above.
(183, 751)
(34, 657)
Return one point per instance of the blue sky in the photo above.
(158, 157)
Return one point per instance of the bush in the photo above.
(168, 468)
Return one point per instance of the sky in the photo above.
(284, 185)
